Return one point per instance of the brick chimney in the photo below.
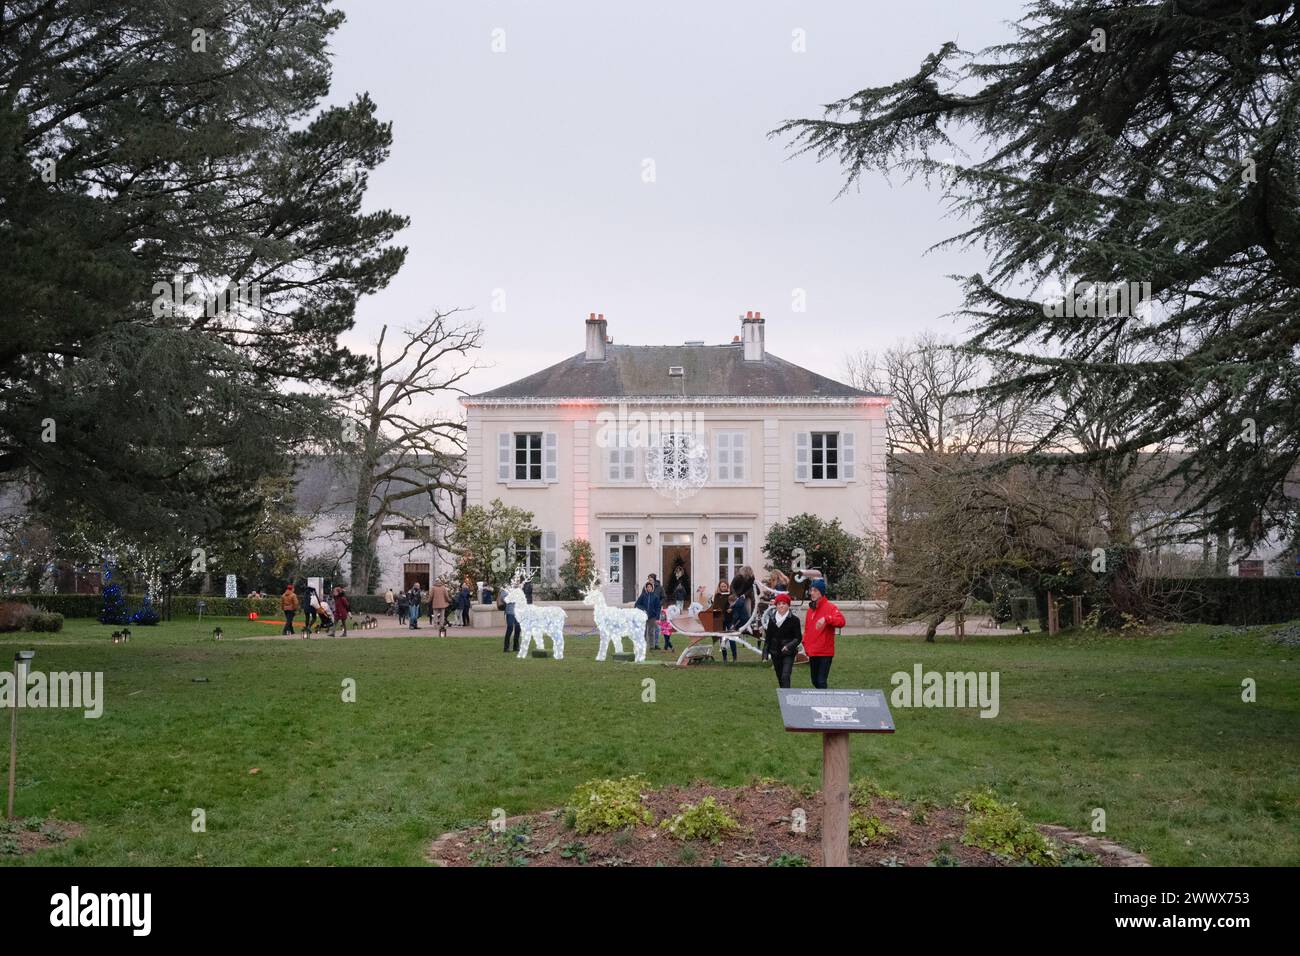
(751, 336)
(596, 338)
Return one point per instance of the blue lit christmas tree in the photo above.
(112, 609)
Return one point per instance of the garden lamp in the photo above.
(21, 660)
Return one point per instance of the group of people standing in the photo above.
(319, 613)
(440, 602)
(779, 629)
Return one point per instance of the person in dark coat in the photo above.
(528, 591)
(512, 622)
(462, 602)
(782, 639)
(649, 602)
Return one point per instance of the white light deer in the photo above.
(615, 623)
(536, 622)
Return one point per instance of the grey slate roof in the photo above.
(640, 371)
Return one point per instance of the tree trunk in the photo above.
(932, 627)
(1221, 547)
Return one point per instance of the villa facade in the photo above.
(667, 454)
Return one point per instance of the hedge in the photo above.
(186, 605)
(1229, 600)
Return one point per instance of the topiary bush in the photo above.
(706, 820)
(599, 806)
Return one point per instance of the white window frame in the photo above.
(529, 463)
(524, 556)
(730, 540)
(814, 451)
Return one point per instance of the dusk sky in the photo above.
(523, 172)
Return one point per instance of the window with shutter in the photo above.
(802, 455)
(731, 456)
(620, 461)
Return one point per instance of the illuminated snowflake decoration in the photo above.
(677, 465)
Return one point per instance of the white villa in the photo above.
(656, 453)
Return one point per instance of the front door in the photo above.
(676, 567)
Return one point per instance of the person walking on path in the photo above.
(512, 622)
(782, 639)
(439, 601)
(309, 609)
(288, 604)
(649, 602)
(819, 626)
(388, 596)
(414, 599)
(341, 609)
(403, 611)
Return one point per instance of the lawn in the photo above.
(1151, 729)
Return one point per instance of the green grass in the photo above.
(1152, 729)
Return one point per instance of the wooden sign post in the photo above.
(835, 714)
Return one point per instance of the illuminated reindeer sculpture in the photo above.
(536, 622)
(615, 623)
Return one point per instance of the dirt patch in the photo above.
(24, 836)
(917, 835)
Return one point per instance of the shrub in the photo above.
(789, 859)
(145, 616)
(575, 571)
(847, 561)
(15, 616)
(864, 829)
(863, 790)
(1002, 829)
(705, 820)
(602, 805)
(47, 621)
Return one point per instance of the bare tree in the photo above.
(403, 453)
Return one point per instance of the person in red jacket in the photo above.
(819, 626)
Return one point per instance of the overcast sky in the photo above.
(523, 171)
